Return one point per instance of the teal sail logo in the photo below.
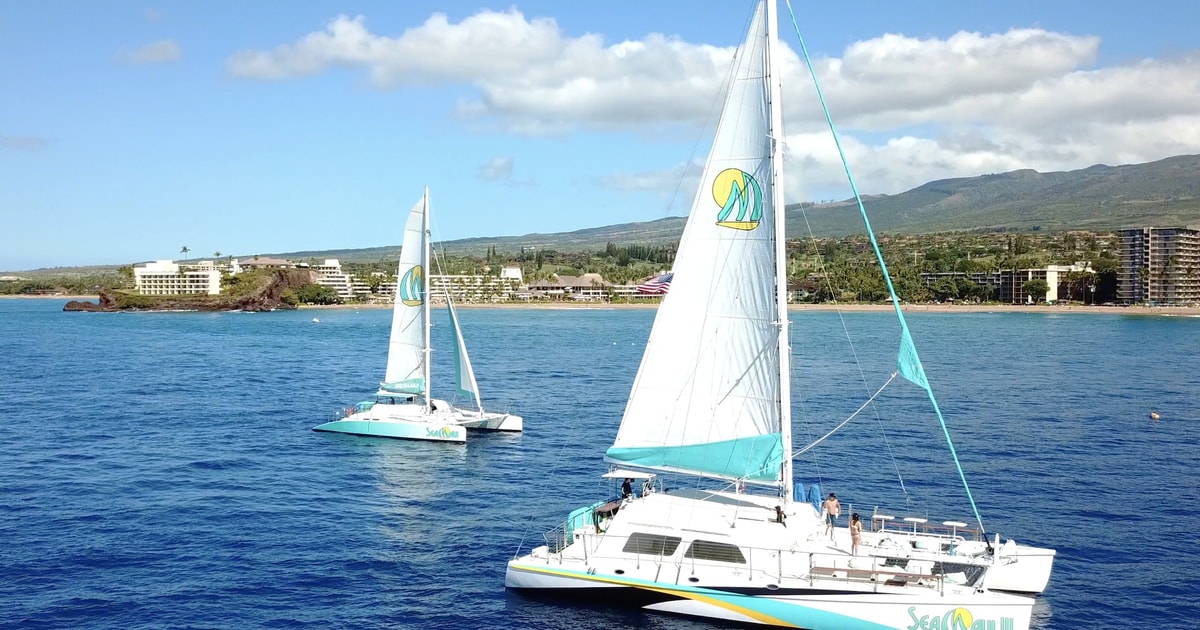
(411, 290)
(735, 190)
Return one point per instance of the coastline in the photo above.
(845, 308)
(1185, 311)
(63, 296)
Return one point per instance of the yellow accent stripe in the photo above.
(753, 614)
(739, 225)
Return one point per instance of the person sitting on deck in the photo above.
(780, 517)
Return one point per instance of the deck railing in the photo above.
(766, 566)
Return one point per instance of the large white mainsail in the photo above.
(708, 398)
(407, 354)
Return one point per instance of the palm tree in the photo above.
(184, 250)
(217, 254)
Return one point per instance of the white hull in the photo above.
(776, 575)
(402, 421)
(1029, 572)
(492, 421)
(823, 609)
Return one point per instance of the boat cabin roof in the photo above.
(622, 473)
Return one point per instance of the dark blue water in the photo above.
(158, 470)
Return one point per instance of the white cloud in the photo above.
(497, 168)
(909, 109)
(486, 44)
(23, 143)
(164, 51)
(682, 178)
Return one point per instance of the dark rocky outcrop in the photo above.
(267, 296)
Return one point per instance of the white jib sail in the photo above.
(464, 375)
(406, 347)
(707, 395)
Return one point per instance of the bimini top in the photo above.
(622, 473)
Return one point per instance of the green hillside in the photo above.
(1098, 198)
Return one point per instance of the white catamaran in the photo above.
(712, 400)
(403, 407)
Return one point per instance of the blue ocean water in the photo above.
(158, 469)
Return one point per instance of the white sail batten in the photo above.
(706, 399)
(407, 356)
(464, 374)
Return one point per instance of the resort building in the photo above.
(1008, 285)
(165, 277)
(465, 288)
(330, 274)
(1159, 266)
(512, 272)
(589, 286)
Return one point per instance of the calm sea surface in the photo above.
(158, 469)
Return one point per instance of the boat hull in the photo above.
(818, 607)
(398, 429)
(1030, 573)
(494, 422)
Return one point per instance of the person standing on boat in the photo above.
(627, 489)
(832, 509)
(855, 533)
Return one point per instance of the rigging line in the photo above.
(847, 420)
(916, 373)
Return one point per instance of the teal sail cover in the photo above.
(756, 458)
(908, 363)
(410, 386)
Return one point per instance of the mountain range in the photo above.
(1096, 198)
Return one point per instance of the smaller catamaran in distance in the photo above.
(403, 407)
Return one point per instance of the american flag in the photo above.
(657, 285)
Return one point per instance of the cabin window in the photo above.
(651, 544)
(709, 550)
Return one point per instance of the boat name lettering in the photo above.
(957, 619)
(444, 432)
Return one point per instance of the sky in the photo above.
(129, 130)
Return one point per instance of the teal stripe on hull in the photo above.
(761, 608)
(757, 458)
(399, 430)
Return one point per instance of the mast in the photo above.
(777, 208)
(425, 296)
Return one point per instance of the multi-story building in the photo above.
(1008, 285)
(165, 277)
(330, 274)
(466, 288)
(589, 286)
(1159, 266)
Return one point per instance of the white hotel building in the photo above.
(165, 277)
